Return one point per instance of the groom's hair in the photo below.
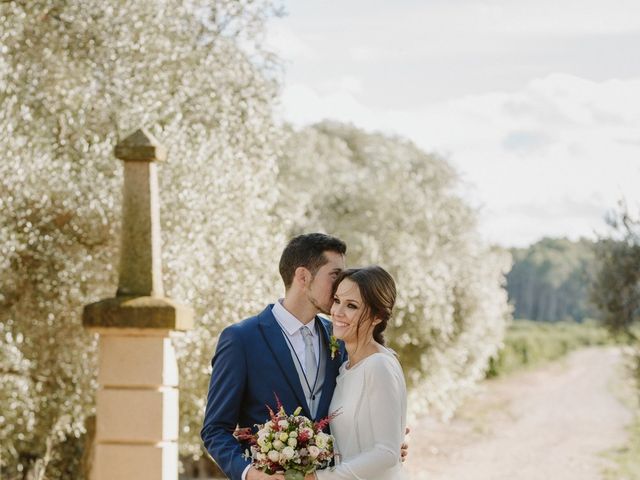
(307, 251)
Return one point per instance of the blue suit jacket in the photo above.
(252, 363)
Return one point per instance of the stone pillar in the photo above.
(137, 399)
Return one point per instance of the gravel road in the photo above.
(552, 423)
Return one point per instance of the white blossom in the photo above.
(283, 424)
(287, 453)
(397, 206)
(274, 456)
(313, 451)
(322, 440)
(76, 76)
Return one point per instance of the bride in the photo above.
(370, 391)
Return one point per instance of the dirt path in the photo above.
(553, 423)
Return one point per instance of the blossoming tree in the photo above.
(397, 206)
(76, 76)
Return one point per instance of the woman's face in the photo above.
(346, 312)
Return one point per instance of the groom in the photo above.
(284, 351)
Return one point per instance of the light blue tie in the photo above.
(310, 364)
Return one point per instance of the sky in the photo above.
(535, 103)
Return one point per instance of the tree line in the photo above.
(557, 279)
(550, 280)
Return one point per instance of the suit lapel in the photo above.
(276, 342)
(331, 368)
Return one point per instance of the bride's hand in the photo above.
(404, 448)
(279, 476)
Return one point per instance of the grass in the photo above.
(528, 343)
(626, 459)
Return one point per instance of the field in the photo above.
(529, 343)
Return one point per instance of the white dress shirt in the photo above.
(291, 328)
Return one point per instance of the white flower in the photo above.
(293, 434)
(284, 436)
(278, 445)
(292, 442)
(262, 438)
(288, 453)
(274, 456)
(283, 424)
(314, 451)
(322, 440)
(266, 447)
(261, 457)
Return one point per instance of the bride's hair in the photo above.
(378, 291)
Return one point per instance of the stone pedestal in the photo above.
(136, 462)
(137, 400)
(137, 407)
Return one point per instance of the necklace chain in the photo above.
(312, 391)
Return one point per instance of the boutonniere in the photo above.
(334, 346)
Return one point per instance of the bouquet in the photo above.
(292, 444)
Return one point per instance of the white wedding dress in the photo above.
(372, 398)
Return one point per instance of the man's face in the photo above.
(320, 288)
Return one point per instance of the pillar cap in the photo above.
(140, 146)
(136, 312)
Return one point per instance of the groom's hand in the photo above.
(404, 448)
(255, 474)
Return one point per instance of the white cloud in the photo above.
(470, 17)
(566, 17)
(304, 105)
(554, 147)
(414, 52)
(287, 44)
(535, 102)
(347, 83)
